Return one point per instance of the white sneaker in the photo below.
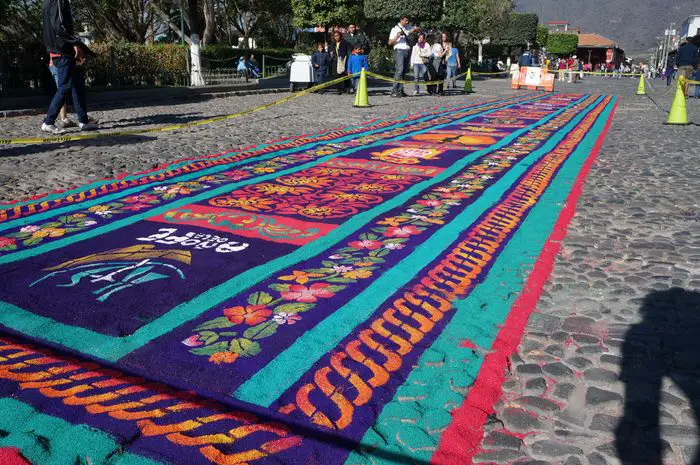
(88, 126)
(51, 128)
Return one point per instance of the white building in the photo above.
(690, 27)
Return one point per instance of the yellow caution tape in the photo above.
(99, 135)
(398, 81)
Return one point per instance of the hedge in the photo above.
(562, 43)
(414, 9)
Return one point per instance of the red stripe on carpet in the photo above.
(462, 439)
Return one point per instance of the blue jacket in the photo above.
(356, 63)
(321, 61)
(687, 55)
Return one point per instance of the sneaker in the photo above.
(88, 126)
(51, 128)
(66, 123)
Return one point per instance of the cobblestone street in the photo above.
(613, 342)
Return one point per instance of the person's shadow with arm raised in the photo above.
(665, 343)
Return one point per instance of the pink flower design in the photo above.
(193, 341)
(30, 229)
(308, 294)
(136, 206)
(7, 242)
(140, 198)
(237, 174)
(369, 245)
(430, 203)
(402, 231)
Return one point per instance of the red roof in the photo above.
(557, 22)
(593, 40)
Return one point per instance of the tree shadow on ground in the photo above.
(160, 119)
(666, 343)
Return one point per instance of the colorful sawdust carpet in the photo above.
(338, 298)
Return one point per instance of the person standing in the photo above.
(354, 37)
(686, 61)
(339, 52)
(320, 61)
(399, 39)
(420, 58)
(453, 64)
(356, 63)
(436, 66)
(67, 53)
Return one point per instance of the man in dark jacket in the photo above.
(686, 60)
(66, 52)
(354, 37)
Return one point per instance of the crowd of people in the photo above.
(347, 54)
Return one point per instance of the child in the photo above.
(356, 63)
(320, 60)
(453, 64)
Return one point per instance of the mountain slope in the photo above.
(633, 24)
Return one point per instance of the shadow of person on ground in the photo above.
(666, 343)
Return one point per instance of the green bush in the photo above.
(381, 59)
(126, 64)
(562, 43)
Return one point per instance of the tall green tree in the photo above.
(311, 13)
(476, 19)
(542, 36)
(21, 20)
(520, 31)
(415, 9)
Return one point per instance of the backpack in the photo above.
(411, 39)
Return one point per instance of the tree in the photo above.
(310, 13)
(245, 17)
(542, 36)
(562, 43)
(520, 31)
(21, 20)
(128, 20)
(476, 19)
(415, 9)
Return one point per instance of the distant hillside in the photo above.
(634, 24)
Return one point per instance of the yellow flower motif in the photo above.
(78, 215)
(301, 277)
(357, 274)
(98, 208)
(262, 169)
(363, 264)
(48, 232)
(207, 178)
(393, 221)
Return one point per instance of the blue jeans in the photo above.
(419, 72)
(697, 90)
(68, 79)
(402, 59)
(451, 73)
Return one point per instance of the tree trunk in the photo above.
(209, 22)
(193, 9)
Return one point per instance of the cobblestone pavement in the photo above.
(585, 386)
(32, 169)
(608, 370)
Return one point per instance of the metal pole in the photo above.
(263, 70)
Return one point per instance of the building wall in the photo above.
(690, 27)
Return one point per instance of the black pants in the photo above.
(436, 72)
